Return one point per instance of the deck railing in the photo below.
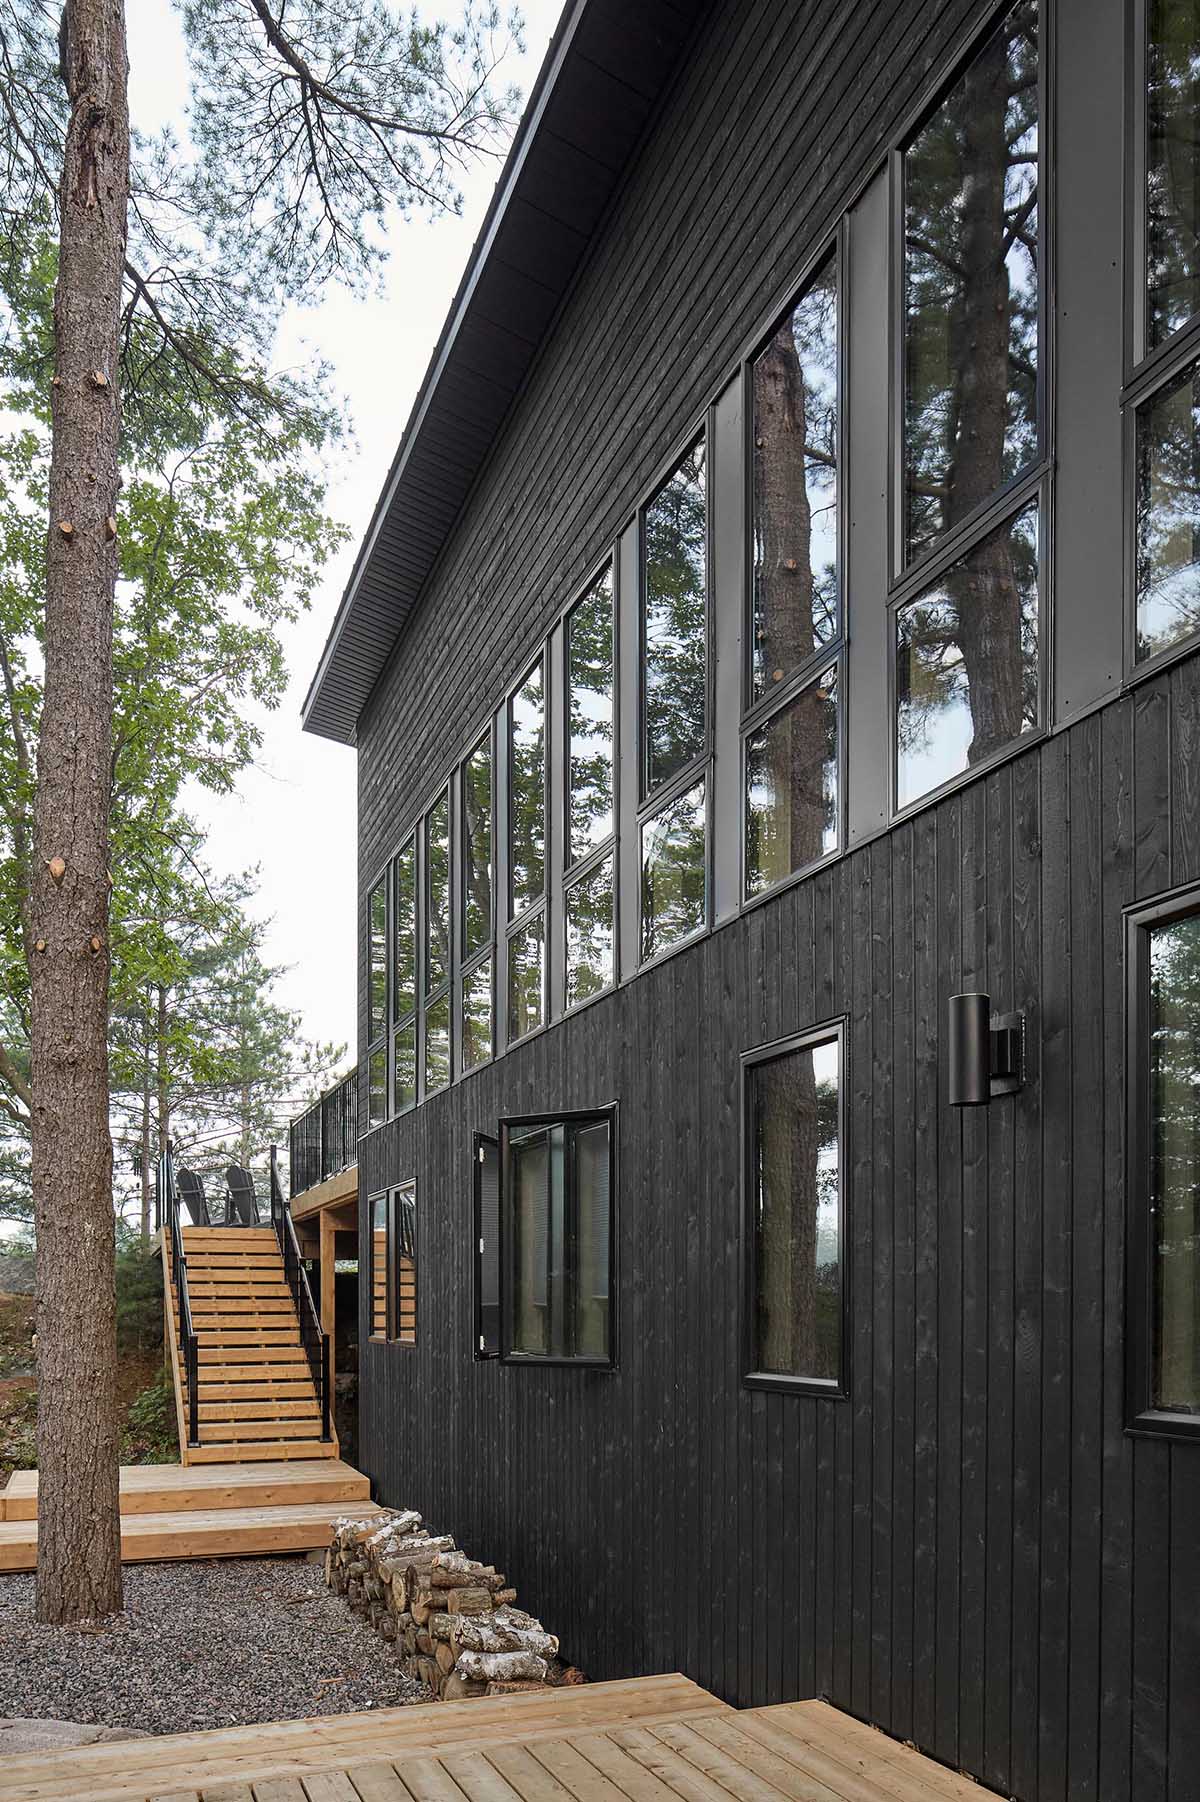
(314, 1340)
(168, 1212)
(324, 1139)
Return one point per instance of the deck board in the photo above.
(649, 1739)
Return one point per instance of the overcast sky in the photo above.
(295, 814)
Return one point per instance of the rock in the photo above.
(22, 1733)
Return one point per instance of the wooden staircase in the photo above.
(256, 1397)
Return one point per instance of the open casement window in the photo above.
(394, 1264)
(589, 895)
(377, 1002)
(795, 1236)
(556, 1234)
(1163, 1326)
(967, 612)
(487, 1246)
(791, 720)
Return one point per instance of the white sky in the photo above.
(295, 813)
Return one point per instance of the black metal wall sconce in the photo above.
(987, 1051)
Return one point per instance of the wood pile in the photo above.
(454, 1622)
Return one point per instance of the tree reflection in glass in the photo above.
(967, 660)
(795, 576)
(674, 621)
(589, 908)
(1172, 166)
(590, 703)
(673, 872)
(971, 286)
(437, 884)
(377, 1086)
(477, 847)
(477, 1015)
(795, 1196)
(377, 961)
(404, 933)
(1175, 1163)
(526, 979)
(1168, 515)
(527, 797)
(792, 786)
(404, 1068)
(437, 1044)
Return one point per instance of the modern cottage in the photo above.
(774, 666)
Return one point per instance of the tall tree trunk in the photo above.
(79, 1541)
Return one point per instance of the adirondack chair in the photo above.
(191, 1194)
(241, 1202)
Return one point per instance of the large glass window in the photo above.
(795, 538)
(794, 1198)
(404, 977)
(792, 786)
(1172, 149)
(437, 945)
(527, 791)
(674, 872)
(477, 848)
(590, 719)
(556, 1197)
(1168, 515)
(675, 622)
(967, 665)
(376, 960)
(971, 287)
(526, 978)
(590, 905)
(477, 1014)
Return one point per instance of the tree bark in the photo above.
(79, 1543)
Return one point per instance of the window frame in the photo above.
(905, 576)
(479, 1141)
(443, 989)
(390, 1196)
(1140, 362)
(837, 1389)
(411, 1020)
(517, 922)
(1179, 352)
(1141, 1417)
(382, 1040)
(561, 1117)
(834, 247)
(466, 964)
(650, 799)
(576, 871)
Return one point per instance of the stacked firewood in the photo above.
(453, 1621)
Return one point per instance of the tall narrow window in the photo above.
(527, 977)
(675, 622)
(795, 585)
(404, 977)
(487, 1245)
(381, 1275)
(556, 1197)
(972, 287)
(1172, 151)
(589, 907)
(405, 1205)
(1168, 515)
(377, 989)
(527, 792)
(437, 945)
(795, 1226)
(478, 910)
(792, 786)
(590, 719)
(674, 872)
(1164, 960)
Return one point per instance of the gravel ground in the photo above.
(210, 1643)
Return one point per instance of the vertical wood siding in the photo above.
(969, 1551)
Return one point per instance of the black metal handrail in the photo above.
(314, 1341)
(324, 1139)
(168, 1210)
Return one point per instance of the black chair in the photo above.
(190, 1190)
(241, 1202)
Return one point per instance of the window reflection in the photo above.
(406, 1264)
(1175, 1163)
(404, 1067)
(589, 905)
(795, 1182)
(967, 660)
(477, 847)
(795, 578)
(971, 286)
(673, 872)
(377, 1086)
(792, 786)
(526, 967)
(477, 1015)
(376, 960)
(1172, 166)
(558, 1214)
(527, 802)
(437, 885)
(404, 935)
(437, 1044)
(674, 621)
(590, 701)
(379, 1267)
(1168, 515)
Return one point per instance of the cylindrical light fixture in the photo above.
(970, 1050)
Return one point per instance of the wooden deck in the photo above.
(205, 1511)
(650, 1739)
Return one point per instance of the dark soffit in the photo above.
(607, 66)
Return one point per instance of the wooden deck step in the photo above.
(232, 1451)
(272, 1407)
(178, 1488)
(242, 1431)
(198, 1533)
(415, 1740)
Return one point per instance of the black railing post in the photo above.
(327, 1384)
(168, 1206)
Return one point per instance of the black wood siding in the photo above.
(969, 1551)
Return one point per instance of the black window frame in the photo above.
(836, 1031)
(408, 1022)
(468, 963)
(757, 713)
(1141, 1417)
(487, 1345)
(441, 991)
(392, 1249)
(516, 922)
(380, 1041)
(577, 871)
(577, 1117)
